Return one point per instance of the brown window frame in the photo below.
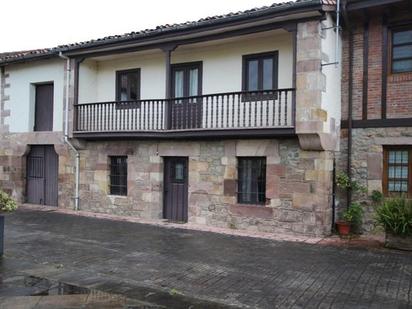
(118, 83)
(118, 187)
(186, 67)
(260, 57)
(260, 196)
(386, 165)
(392, 46)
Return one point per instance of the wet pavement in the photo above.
(111, 264)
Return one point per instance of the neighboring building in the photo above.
(377, 96)
(230, 121)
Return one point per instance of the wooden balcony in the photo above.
(232, 114)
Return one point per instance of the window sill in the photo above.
(249, 205)
(117, 196)
(400, 77)
(253, 211)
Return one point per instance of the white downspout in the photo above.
(66, 133)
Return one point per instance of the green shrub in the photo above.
(7, 204)
(345, 183)
(354, 214)
(395, 216)
(377, 196)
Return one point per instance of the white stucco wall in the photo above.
(222, 67)
(22, 78)
(331, 96)
(88, 81)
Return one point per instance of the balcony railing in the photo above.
(232, 110)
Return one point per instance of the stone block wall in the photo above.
(13, 151)
(298, 183)
(316, 128)
(367, 162)
(4, 113)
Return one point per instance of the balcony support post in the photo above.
(293, 29)
(294, 47)
(76, 84)
(168, 55)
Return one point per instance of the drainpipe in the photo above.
(350, 102)
(337, 33)
(333, 196)
(66, 133)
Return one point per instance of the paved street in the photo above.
(177, 268)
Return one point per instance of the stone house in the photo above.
(229, 121)
(376, 134)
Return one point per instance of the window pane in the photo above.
(123, 87)
(402, 52)
(252, 75)
(391, 186)
(398, 186)
(267, 74)
(405, 157)
(398, 157)
(391, 172)
(391, 157)
(193, 82)
(400, 172)
(246, 181)
(179, 171)
(401, 37)
(179, 84)
(401, 66)
(133, 83)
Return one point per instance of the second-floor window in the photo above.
(43, 112)
(260, 71)
(128, 85)
(187, 79)
(402, 50)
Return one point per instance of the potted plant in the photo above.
(351, 219)
(7, 204)
(395, 216)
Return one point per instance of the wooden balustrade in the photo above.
(232, 110)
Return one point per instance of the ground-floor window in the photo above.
(397, 171)
(251, 180)
(118, 175)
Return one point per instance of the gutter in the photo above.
(66, 133)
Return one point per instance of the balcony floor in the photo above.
(284, 132)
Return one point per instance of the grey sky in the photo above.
(29, 24)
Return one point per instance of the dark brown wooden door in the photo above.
(42, 175)
(186, 82)
(176, 189)
(43, 114)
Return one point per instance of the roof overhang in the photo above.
(191, 37)
(187, 33)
